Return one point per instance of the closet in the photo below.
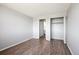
(57, 28)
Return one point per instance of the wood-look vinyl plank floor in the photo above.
(38, 47)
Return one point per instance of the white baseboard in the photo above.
(70, 50)
(15, 44)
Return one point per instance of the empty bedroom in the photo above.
(39, 28)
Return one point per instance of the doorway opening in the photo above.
(57, 28)
(42, 28)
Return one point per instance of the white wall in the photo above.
(58, 28)
(73, 29)
(14, 27)
(35, 28)
(45, 26)
(41, 28)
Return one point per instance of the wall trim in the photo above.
(70, 50)
(64, 30)
(15, 44)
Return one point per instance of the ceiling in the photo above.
(38, 9)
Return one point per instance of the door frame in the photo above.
(39, 26)
(64, 18)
